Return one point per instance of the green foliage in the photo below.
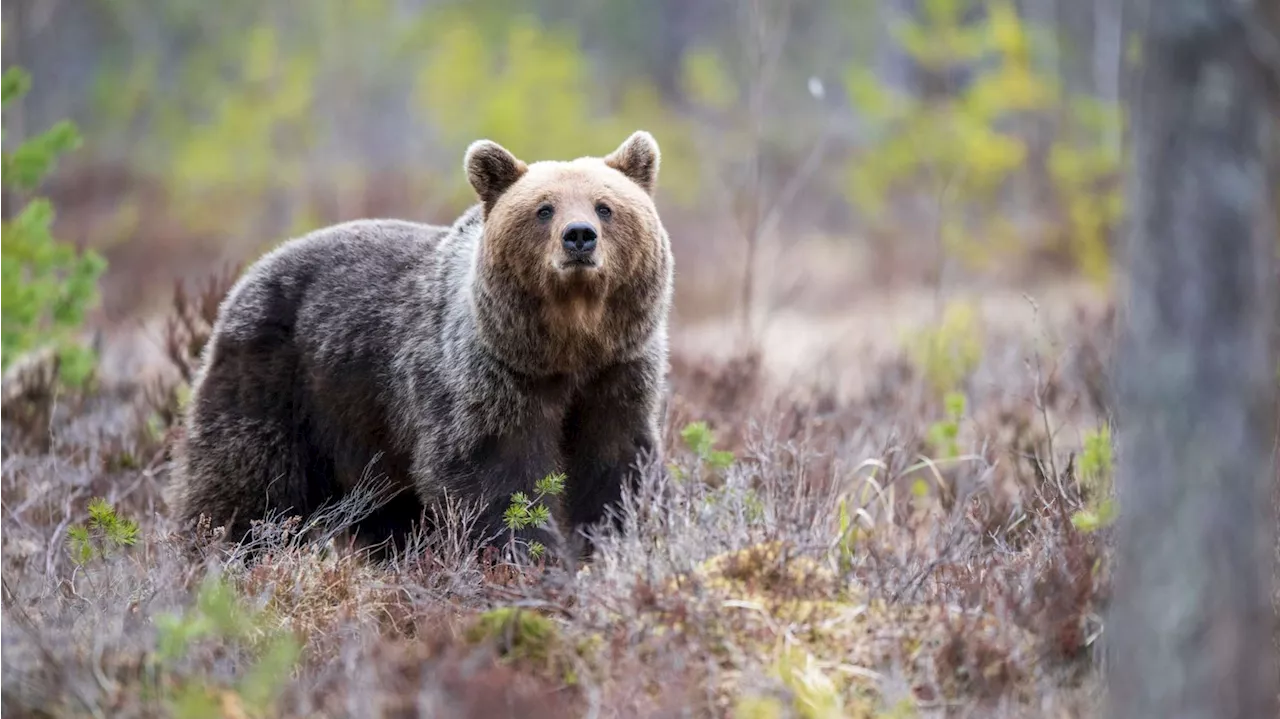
(27, 165)
(816, 695)
(849, 534)
(956, 143)
(753, 505)
(236, 127)
(1094, 471)
(221, 616)
(755, 707)
(944, 434)
(1095, 461)
(102, 535)
(525, 635)
(229, 125)
(530, 88)
(963, 147)
(708, 461)
(707, 465)
(904, 708)
(551, 485)
(525, 512)
(707, 81)
(532, 640)
(47, 286)
(1092, 519)
(700, 440)
(949, 352)
(529, 93)
(1084, 163)
(747, 498)
(249, 130)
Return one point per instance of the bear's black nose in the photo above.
(579, 238)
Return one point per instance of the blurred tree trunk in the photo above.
(1108, 48)
(1076, 33)
(1190, 630)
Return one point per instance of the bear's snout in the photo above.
(579, 241)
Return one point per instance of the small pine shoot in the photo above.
(525, 512)
(700, 440)
(551, 485)
(102, 535)
(1095, 471)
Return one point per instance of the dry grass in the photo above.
(837, 567)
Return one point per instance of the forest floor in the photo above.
(886, 514)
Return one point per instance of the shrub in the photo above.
(222, 617)
(963, 150)
(47, 285)
(467, 52)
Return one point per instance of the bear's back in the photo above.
(344, 278)
(321, 319)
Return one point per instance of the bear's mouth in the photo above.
(578, 263)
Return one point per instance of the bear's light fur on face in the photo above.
(538, 217)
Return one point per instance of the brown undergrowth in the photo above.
(795, 551)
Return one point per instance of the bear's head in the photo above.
(572, 251)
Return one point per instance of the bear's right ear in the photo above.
(491, 170)
(637, 158)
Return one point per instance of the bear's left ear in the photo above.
(637, 158)
(491, 170)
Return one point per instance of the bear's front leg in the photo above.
(489, 468)
(611, 424)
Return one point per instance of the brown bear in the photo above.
(529, 337)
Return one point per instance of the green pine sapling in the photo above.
(48, 286)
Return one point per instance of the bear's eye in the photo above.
(545, 212)
(603, 211)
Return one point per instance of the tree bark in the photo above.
(1076, 35)
(1190, 631)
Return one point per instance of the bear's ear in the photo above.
(491, 170)
(637, 158)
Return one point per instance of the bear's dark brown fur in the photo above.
(473, 359)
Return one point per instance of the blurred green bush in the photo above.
(240, 123)
(966, 152)
(48, 285)
(245, 132)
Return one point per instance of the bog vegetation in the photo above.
(934, 542)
